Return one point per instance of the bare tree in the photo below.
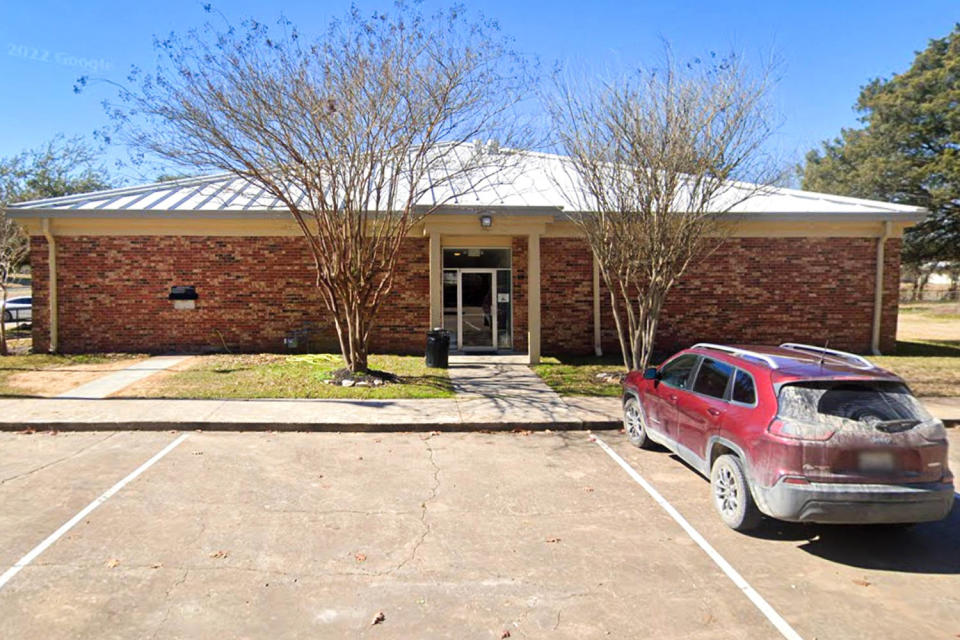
(359, 134)
(60, 167)
(656, 163)
(14, 249)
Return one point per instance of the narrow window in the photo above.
(743, 389)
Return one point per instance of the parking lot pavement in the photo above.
(453, 535)
(830, 581)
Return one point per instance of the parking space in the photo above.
(452, 535)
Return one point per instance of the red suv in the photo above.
(796, 432)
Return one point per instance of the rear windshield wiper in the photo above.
(895, 426)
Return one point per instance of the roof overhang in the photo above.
(274, 214)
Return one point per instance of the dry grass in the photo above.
(45, 375)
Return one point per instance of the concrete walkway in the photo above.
(113, 382)
(446, 414)
(494, 393)
(505, 386)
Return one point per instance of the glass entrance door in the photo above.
(477, 310)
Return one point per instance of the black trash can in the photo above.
(438, 348)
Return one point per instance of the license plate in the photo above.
(876, 461)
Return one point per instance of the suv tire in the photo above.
(635, 424)
(731, 494)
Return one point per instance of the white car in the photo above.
(18, 309)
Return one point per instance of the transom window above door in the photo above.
(476, 258)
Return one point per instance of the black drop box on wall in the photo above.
(183, 293)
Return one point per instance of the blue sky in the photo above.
(827, 49)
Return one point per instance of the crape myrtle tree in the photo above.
(61, 167)
(656, 163)
(359, 133)
(907, 150)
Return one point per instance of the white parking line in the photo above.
(69, 524)
(782, 625)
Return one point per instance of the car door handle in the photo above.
(714, 412)
(673, 398)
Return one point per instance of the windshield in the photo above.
(837, 404)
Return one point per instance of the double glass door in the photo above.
(470, 308)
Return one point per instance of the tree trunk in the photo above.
(352, 332)
(3, 323)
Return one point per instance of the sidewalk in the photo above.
(493, 393)
(454, 414)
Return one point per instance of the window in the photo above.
(676, 372)
(712, 378)
(835, 404)
(743, 388)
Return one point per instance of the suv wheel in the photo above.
(731, 494)
(634, 424)
(7, 316)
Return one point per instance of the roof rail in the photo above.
(743, 353)
(860, 361)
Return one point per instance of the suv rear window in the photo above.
(832, 403)
(712, 378)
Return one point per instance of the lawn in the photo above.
(930, 368)
(927, 357)
(577, 376)
(290, 376)
(41, 374)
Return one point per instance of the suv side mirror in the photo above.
(651, 373)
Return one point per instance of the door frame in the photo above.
(492, 272)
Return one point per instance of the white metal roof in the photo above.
(538, 181)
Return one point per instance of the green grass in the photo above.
(577, 376)
(930, 368)
(296, 376)
(13, 364)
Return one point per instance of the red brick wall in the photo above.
(252, 291)
(753, 290)
(519, 250)
(113, 295)
(566, 296)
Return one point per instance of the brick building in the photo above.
(504, 269)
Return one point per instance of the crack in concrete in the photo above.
(58, 460)
(166, 598)
(423, 506)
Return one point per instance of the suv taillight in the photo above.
(786, 428)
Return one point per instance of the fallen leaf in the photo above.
(553, 539)
(219, 555)
(29, 431)
(862, 583)
(360, 557)
(113, 562)
(156, 565)
(504, 634)
(588, 489)
(377, 619)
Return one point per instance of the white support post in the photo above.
(436, 281)
(533, 298)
